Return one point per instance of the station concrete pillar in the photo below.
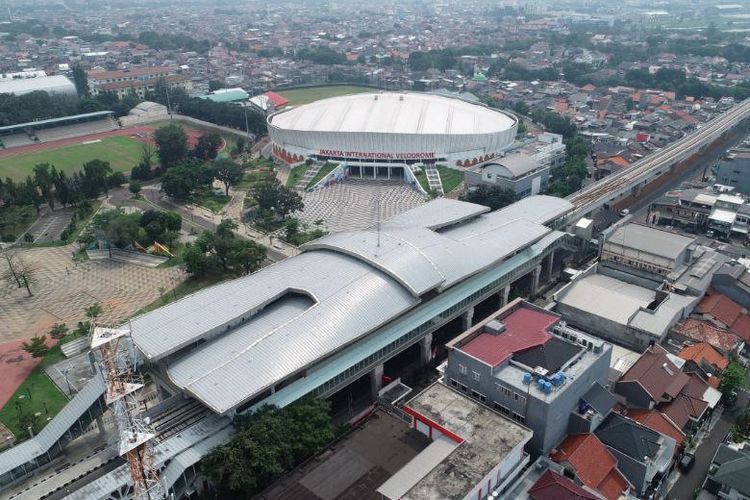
(504, 296)
(425, 349)
(535, 275)
(374, 172)
(550, 265)
(376, 380)
(466, 318)
(100, 424)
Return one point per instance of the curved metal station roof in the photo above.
(230, 342)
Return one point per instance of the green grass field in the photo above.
(310, 94)
(121, 152)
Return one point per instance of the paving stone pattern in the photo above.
(63, 289)
(353, 204)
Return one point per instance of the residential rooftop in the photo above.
(486, 440)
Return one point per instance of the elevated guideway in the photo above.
(629, 181)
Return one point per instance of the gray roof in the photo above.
(734, 468)
(600, 399)
(56, 121)
(629, 437)
(55, 429)
(270, 325)
(53, 84)
(649, 240)
(516, 164)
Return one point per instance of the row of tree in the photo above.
(267, 444)
(51, 186)
(220, 113)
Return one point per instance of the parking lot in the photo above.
(50, 225)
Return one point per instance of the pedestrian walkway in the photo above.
(310, 174)
(358, 204)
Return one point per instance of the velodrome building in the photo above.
(312, 324)
(389, 129)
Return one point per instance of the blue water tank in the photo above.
(540, 383)
(558, 378)
(527, 378)
(547, 387)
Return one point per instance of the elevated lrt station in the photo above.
(350, 308)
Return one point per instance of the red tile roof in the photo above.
(277, 100)
(659, 423)
(524, 328)
(704, 353)
(702, 331)
(741, 327)
(593, 464)
(720, 307)
(658, 376)
(553, 486)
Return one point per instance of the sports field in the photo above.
(120, 151)
(310, 94)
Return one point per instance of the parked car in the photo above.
(624, 212)
(686, 462)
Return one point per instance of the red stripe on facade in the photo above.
(432, 425)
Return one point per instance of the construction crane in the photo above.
(115, 355)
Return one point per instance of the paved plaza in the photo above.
(63, 289)
(354, 203)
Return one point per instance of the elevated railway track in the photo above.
(629, 181)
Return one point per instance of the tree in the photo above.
(44, 178)
(208, 146)
(94, 178)
(214, 85)
(184, 180)
(239, 146)
(268, 443)
(228, 172)
(732, 378)
(172, 142)
(247, 255)
(278, 199)
(134, 187)
(194, 260)
(58, 331)
(494, 197)
(81, 80)
(37, 347)
(20, 272)
(94, 311)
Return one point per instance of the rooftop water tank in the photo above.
(527, 378)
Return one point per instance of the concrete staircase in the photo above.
(433, 179)
(310, 174)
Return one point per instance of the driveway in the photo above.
(688, 483)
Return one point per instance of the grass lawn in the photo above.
(324, 170)
(295, 175)
(43, 392)
(212, 201)
(310, 94)
(121, 153)
(450, 178)
(422, 178)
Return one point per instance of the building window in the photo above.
(480, 397)
(518, 418)
(502, 409)
(519, 398)
(463, 388)
(475, 376)
(462, 369)
(504, 390)
(454, 383)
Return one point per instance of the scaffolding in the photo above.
(115, 355)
